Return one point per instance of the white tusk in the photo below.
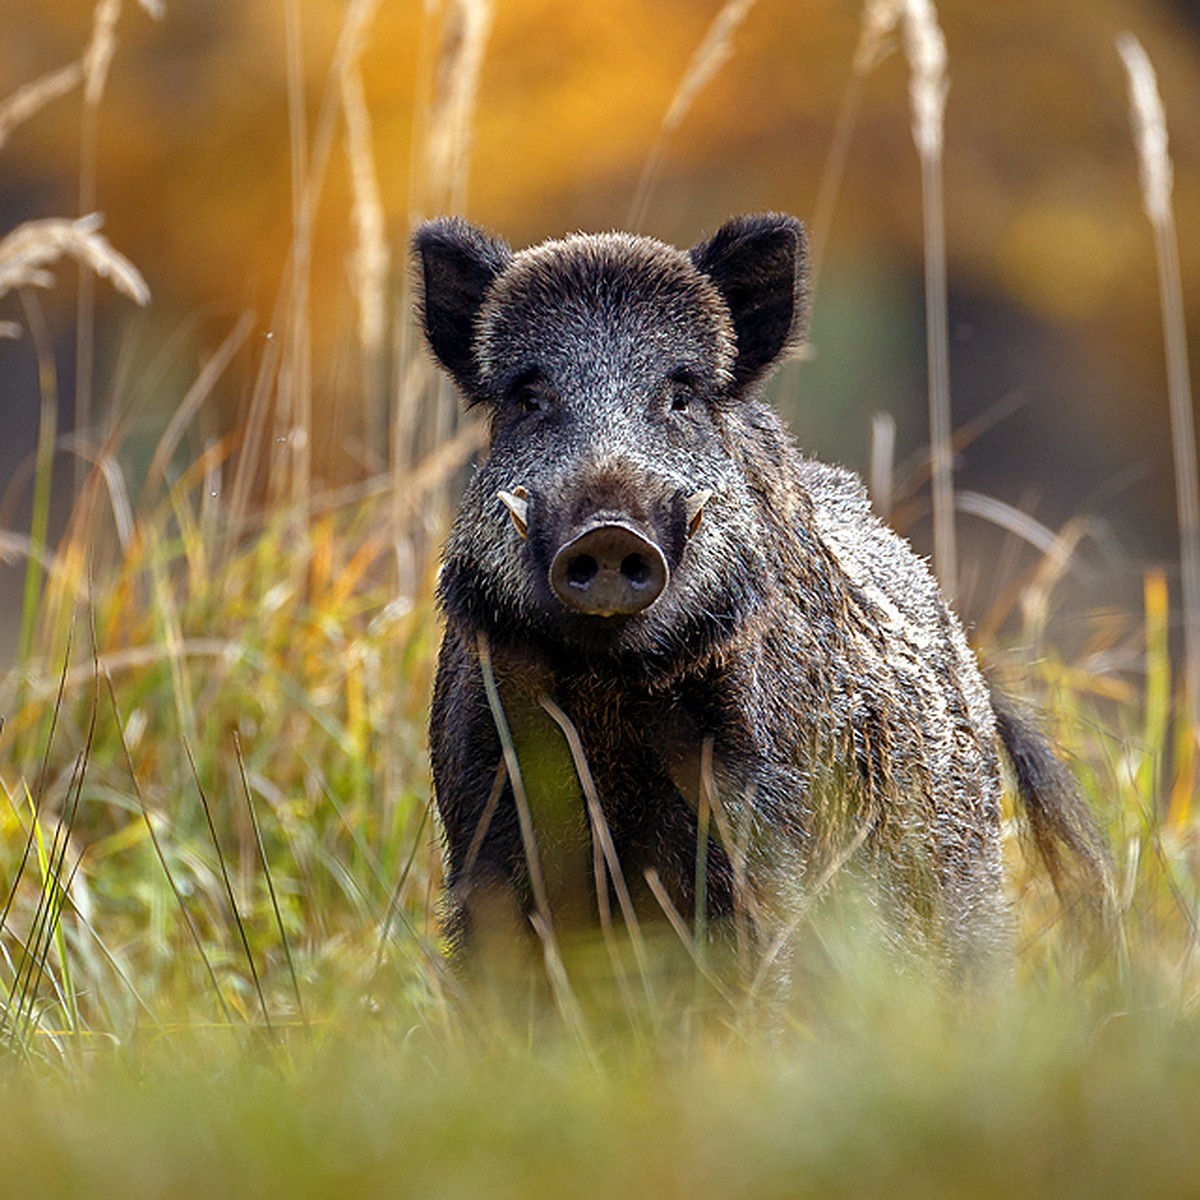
(517, 503)
(695, 509)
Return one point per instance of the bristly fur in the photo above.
(799, 668)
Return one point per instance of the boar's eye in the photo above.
(529, 392)
(681, 388)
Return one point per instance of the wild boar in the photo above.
(759, 675)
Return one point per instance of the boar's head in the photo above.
(614, 516)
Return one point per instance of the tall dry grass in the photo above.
(925, 48)
(426, 427)
(163, 613)
(94, 64)
(879, 20)
(1150, 134)
(710, 56)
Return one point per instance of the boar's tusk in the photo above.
(517, 503)
(695, 509)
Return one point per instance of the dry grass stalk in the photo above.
(27, 101)
(813, 892)
(687, 939)
(291, 468)
(883, 463)
(1150, 134)
(606, 850)
(95, 63)
(540, 918)
(371, 261)
(290, 472)
(925, 49)
(537, 880)
(425, 408)
(27, 252)
(1149, 127)
(199, 391)
(109, 470)
(97, 58)
(747, 912)
(448, 148)
(464, 43)
(43, 468)
(711, 55)
(880, 18)
(1011, 519)
(1055, 563)
(412, 372)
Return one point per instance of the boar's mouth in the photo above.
(609, 569)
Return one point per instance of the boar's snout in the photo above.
(607, 570)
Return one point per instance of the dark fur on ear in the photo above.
(758, 262)
(459, 263)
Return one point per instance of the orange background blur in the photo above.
(1052, 272)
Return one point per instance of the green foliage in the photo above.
(224, 723)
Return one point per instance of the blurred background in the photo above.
(213, 111)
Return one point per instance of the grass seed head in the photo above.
(28, 250)
(925, 48)
(1149, 128)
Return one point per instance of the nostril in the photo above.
(636, 569)
(581, 570)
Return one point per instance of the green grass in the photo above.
(231, 768)
(900, 1092)
(220, 966)
(222, 970)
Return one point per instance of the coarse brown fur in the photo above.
(800, 687)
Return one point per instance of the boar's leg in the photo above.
(483, 840)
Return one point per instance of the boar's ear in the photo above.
(757, 262)
(458, 264)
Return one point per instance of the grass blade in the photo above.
(228, 884)
(262, 856)
(541, 918)
(161, 855)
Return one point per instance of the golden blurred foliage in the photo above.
(203, 132)
(195, 156)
